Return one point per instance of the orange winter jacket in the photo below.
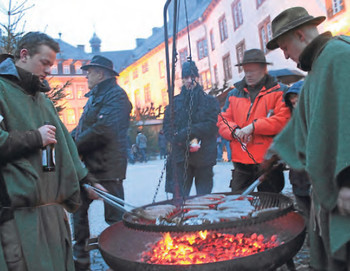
(268, 112)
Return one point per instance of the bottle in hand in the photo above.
(48, 156)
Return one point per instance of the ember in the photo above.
(204, 247)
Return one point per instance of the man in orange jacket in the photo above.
(254, 115)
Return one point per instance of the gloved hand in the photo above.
(270, 160)
(91, 180)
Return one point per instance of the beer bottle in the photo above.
(48, 156)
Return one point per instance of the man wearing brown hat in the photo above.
(317, 138)
(101, 139)
(254, 114)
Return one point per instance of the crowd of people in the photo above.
(263, 121)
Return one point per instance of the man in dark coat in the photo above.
(193, 135)
(101, 138)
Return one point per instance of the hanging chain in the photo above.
(187, 152)
(244, 147)
(160, 179)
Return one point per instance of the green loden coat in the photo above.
(317, 138)
(39, 198)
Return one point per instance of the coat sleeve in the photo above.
(272, 125)
(226, 115)
(16, 144)
(112, 122)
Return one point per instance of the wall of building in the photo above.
(248, 32)
(150, 84)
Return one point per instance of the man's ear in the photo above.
(24, 54)
(300, 35)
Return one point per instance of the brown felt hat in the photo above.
(253, 56)
(288, 20)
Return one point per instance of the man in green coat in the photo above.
(35, 236)
(317, 139)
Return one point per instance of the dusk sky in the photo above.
(117, 23)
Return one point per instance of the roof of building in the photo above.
(123, 59)
(68, 51)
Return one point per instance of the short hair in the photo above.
(32, 40)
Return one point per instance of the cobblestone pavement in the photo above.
(140, 186)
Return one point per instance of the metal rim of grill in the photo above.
(261, 201)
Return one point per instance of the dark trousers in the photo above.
(244, 175)
(81, 227)
(203, 179)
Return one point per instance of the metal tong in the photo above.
(119, 203)
(262, 176)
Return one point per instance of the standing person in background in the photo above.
(34, 229)
(101, 138)
(317, 139)
(162, 144)
(141, 143)
(196, 142)
(226, 144)
(256, 112)
(219, 148)
(299, 178)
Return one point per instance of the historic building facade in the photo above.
(220, 31)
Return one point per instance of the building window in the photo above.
(137, 98)
(334, 7)
(71, 118)
(69, 93)
(78, 69)
(223, 28)
(147, 93)
(212, 41)
(66, 69)
(216, 75)
(80, 91)
(80, 111)
(54, 69)
(145, 67)
(183, 56)
(164, 96)
(126, 79)
(240, 48)
(202, 48)
(161, 69)
(237, 14)
(227, 67)
(259, 3)
(135, 74)
(206, 79)
(265, 33)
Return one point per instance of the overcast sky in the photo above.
(117, 23)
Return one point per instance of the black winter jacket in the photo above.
(205, 110)
(101, 135)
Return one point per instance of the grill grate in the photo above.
(267, 206)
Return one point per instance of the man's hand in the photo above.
(271, 158)
(343, 201)
(48, 134)
(91, 193)
(245, 134)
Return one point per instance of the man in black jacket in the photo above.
(193, 136)
(101, 138)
